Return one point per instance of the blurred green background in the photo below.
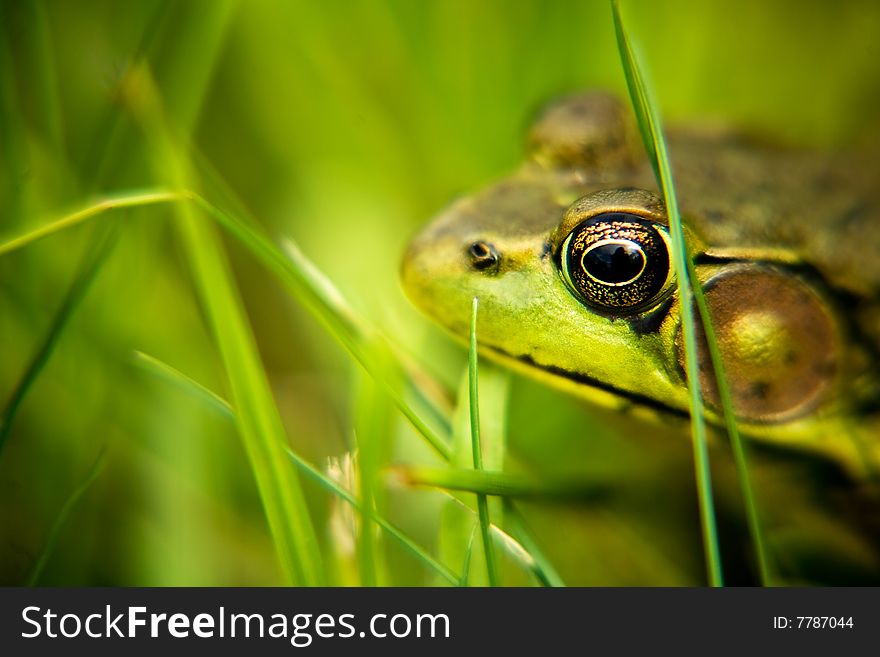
(343, 125)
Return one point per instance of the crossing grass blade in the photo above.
(543, 570)
(257, 417)
(649, 126)
(308, 285)
(500, 484)
(129, 199)
(407, 543)
(88, 271)
(539, 568)
(172, 375)
(656, 148)
(373, 432)
(737, 445)
(317, 293)
(43, 73)
(212, 400)
(468, 554)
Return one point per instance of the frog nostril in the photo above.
(483, 255)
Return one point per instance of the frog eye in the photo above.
(617, 261)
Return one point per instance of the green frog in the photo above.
(570, 259)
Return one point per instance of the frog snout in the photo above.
(439, 270)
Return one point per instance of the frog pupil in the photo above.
(614, 262)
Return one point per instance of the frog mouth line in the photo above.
(583, 379)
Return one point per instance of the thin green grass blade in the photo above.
(509, 545)
(409, 544)
(543, 569)
(14, 146)
(373, 431)
(104, 147)
(215, 401)
(257, 417)
(500, 484)
(132, 199)
(65, 512)
(466, 564)
(737, 444)
(172, 375)
(649, 125)
(86, 275)
(44, 75)
(317, 293)
(474, 400)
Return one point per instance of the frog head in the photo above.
(570, 259)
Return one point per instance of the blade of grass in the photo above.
(466, 564)
(168, 373)
(44, 74)
(212, 399)
(258, 419)
(130, 199)
(407, 543)
(513, 548)
(495, 483)
(257, 416)
(474, 400)
(373, 430)
(529, 557)
(736, 442)
(649, 125)
(65, 512)
(86, 275)
(737, 445)
(543, 569)
(15, 146)
(315, 291)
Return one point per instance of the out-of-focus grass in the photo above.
(88, 270)
(65, 511)
(343, 126)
